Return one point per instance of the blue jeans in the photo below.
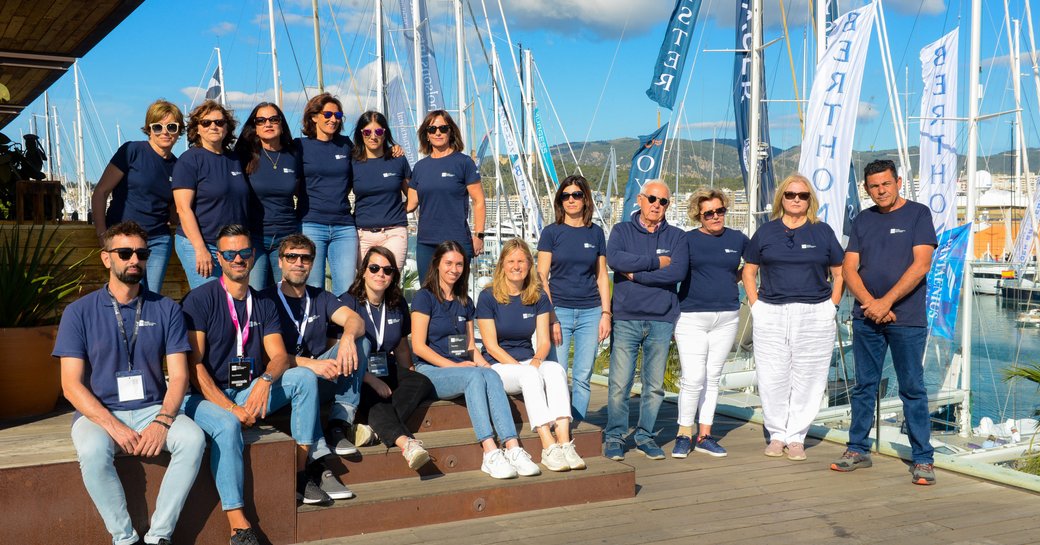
(582, 325)
(339, 244)
(155, 270)
(265, 265)
(486, 399)
(186, 253)
(344, 393)
(424, 254)
(628, 336)
(96, 451)
(296, 386)
(870, 342)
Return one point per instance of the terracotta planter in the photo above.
(30, 379)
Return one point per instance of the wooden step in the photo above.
(438, 415)
(402, 503)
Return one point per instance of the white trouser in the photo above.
(546, 394)
(704, 340)
(794, 343)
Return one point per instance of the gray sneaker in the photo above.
(333, 487)
(338, 442)
(308, 491)
(923, 474)
(244, 536)
(850, 461)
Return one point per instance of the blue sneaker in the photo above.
(651, 450)
(615, 450)
(708, 445)
(683, 445)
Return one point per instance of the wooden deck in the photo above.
(748, 498)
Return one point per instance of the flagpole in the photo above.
(754, 127)
(220, 70)
(274, 55)
(317, 47)
(969, 214)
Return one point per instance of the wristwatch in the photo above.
(267, 377)
(480, 235)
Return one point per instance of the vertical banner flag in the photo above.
(944, 281)
(431, 78)
(830, 124)
(399, 118)
(543, 148)
(852, 206)
(213, 92)
(523, 188)
(742, 109)
(646, 166)
(1026, 232)
(672, 59)
(938, 171)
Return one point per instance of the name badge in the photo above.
(240, 372)
(130, 385)
(377, 364)
(457, 347)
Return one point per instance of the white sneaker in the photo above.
(496, 465)
(415, 454)
(554, 459)
(363, 435)
(521, 462)
(571, 455)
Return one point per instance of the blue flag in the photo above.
(672, 59)
(431, 79)
(944, 281)
(646, 166)
(543, 148)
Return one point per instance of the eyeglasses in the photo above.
(789, 233)
(274, 120)
(444, 129)
(577, 195)
(207, 122)
(229, 255)
(172, 128)
(802, 195)
(125, 253)
(293, 257)
(720, 212)
(373, 268)
(378, 132)
(654, 198)
(328, 114)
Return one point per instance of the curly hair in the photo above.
(702, 195)
(204, 109)
(159, 110)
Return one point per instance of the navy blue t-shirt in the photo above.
(315, 338)
(206, 310)
(885, 244)
(377, 192)
(145, 193)
(441, 185)
(446, 319)
(88, 331)
(794, 263)
(221, 190)
(711, 282)
(274, 185)
(397, 325)
(325, 167)
(515, 323)
(575, 263)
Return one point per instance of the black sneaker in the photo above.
(164, 542)
(309, 491)
(339, 440)
(244, 536)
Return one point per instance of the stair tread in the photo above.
(464, 436)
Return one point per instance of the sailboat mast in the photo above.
(274, 55)
(460, 66)
(220, 70)
(81, 174)
(756, 112)
(420, 100)
(57, 146)
(317, 47)
(50, 141)
(380, 61)
(969, 214)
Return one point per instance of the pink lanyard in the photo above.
(241, 334)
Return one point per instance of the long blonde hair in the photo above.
(531, 290)
(778, 198)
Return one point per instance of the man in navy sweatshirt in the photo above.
(649, 258)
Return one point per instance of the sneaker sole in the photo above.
(309, 501)
(363, 435)
(680, 455)
(340, 495)
(345, 451)
(493, 476)
(556, 468)
(854, 467)
(578, 467)
(923, 482)
(653, 456)
(419, 461)
(801, 458)
(774, 454)
(710, 453)
(617, 457)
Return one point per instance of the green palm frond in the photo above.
(36, 275)
(1025, 372)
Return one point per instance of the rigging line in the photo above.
(689, 80)
(346, 59)
(292, 50)
(97, 116)
(902, 59)
(603, 91)
(559, 122)
(205, 72)
(794, 74)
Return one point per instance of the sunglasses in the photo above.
(274, 120)
(229, 255)
(368, 132)
(720, 212)
(207, 122)
(125, 253)
(577, 195)
(433, 129)
(388, 270)
(802, 195)
(654, 198)
(293, 257)
(327, 114)
(172, 128)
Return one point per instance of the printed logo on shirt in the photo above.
(447, 175)
(663, 251)
(312, 318)
(590, 246)
(145, 323)
(288, 171)
(729, 251)
(389, 174)
(528, 315)
(895, 231)
(807, 246)
(461, 318)
(392, 321)
(254, 324)
(236, 173)
(171, 179)
(338, 157)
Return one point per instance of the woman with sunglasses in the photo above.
(572, 265)
(442, 186)
(442, 341)
(391, 389)
(709, 305)
(269, 159)
(138, 179)
(509, 312)
(380, 183)
(799, 260)
(209, 190)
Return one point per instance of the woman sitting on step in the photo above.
(442, 340)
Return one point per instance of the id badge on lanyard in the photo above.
(378, 362)
(301, 326)
(129, 383)
(240, 368)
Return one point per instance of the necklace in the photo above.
(274, 162)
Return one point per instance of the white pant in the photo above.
(546, 394)
(794, 343)
(704, 340)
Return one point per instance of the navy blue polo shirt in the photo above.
(274, 185)
(446, 319)
(325, 167)
(442, 187)
(885, 244)
(145, 193)
(206, 310)
(711, 283)
(221, 190)
(794, 263)
(88, 331)
(315, 338)
(515, 323)
(575, 263)
(377, 191)
(398, 325)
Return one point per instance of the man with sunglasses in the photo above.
(888, 257)
(240, 373)
(111, 344)
(305, 313)
(649, 258)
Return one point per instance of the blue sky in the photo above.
(595, 58)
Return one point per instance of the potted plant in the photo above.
(37, 274)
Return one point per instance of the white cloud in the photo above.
(223, 28)
(867, 110)
(600, 18)
(709, 125)
(1005, 60)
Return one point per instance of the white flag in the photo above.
(833, 107)
(938, 170)
(526, 193)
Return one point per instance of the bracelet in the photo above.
(164, 415)
(608, 313)
(231, 408)
(163, 424)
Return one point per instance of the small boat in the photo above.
(1029, 318)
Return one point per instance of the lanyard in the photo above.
(129, 343)
(241, 333)
(301, 325)
(379, 326)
